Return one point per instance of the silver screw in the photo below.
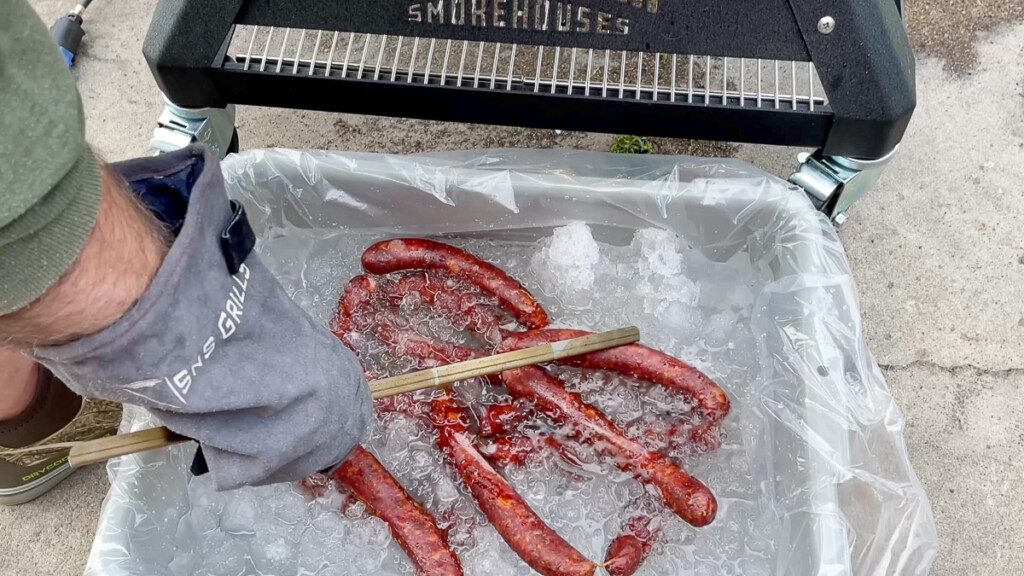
(826, 25)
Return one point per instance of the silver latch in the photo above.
(834, 183)
(178, 127)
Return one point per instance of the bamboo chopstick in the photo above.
(500, 362)
(94, 451)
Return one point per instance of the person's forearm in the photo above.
(112, 272)
(213, 346)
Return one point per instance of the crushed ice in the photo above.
(685, 304)
(565, 263)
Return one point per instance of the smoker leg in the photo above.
(178, 127)
(834, 183)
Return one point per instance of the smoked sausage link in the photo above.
(685, 495)
(421, 254)
(414, 529)
(637, 361)
(629, 549)
(533, 540)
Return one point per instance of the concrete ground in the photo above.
(937, 250)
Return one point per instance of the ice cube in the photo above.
(239, 515)
(368, 562)
(680, 321)
(184, 564)
(274, 553)
(658, 251)
(202, 494)
(312, 550)
(329, 525)
(705, 568)
(486, 556)
(288, 506)
(200, 521)
(565, 263)
(718, 329)
(445, 490)
(371, 532)
(223, 554)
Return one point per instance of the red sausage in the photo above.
(408, 341)
(528, 536)
(463, 308)
(625, 554)
(357, 315)
(364, 476)
(629, 549)
(357, 299)
(414, 529)
(514, 450)
(354, 309)
(536, 543)
(402, 404)
(500, 419)
(687, 496)
(533, 540)
(510, 450)
(639, 362)
(419, 254)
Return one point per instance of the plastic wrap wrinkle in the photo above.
(719, 263)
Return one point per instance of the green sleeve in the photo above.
(49, 178)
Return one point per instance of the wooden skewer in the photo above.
(94, 451)
(102, 449)
(500, 362)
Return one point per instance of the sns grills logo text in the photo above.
(227, 323)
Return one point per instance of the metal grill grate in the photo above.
(668, 78)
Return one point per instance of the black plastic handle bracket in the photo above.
(866, 66)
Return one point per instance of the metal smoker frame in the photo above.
(855, 53)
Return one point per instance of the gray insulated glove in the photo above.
(216, 349)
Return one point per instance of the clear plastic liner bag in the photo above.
(720, 264)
